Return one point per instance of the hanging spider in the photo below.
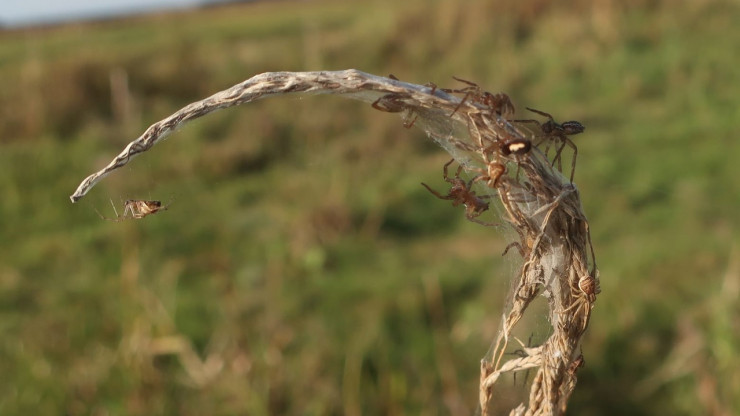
(555, 131)
(138, 208)
(460, 193)
(394, 103)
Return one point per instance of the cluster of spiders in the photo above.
(511, 143)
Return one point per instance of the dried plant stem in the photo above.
(350, 82)
(538, 202)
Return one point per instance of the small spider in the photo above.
(589, 287)
(138, 208)
(585, 294)
(460, 193)
(558, 132)
(573, 367)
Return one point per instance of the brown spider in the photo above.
(138, 208)
(493, 172)
(498, 103)
(494, 169)
(588, 288)
(576, 364)
(517, 146)
(558, 132)
(460, 193)
(393, 102)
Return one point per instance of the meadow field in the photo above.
(301, 268)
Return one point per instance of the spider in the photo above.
(138, 208)
(460, 193)
(588, 288)
(558, 132)
(517, 146)
(588, 285)
(576, 364)
(499, 103)
(494, 170)
(391, 103)
(394, 102)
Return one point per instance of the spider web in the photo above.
(449, 131)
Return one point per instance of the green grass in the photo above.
(300, 248)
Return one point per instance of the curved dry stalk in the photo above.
(539, 203)
(352, 83)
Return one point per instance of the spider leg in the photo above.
(577, 304)
(462, 145)
(431, 85)
(557, 155)
(408, 124)
(444, 171)
(114, 208)
(479, 178)
(542, 113)
(518, 168)
(514, 244)
(376, 106)
(130, 207)
(531, 121)
(526, 376)
(548, 143)
(164, 208)
(474, 219)
(471, 182)
(437, 194)
(573, 162)
(459, 170)
(117, 219)
(471, 83)
(581, 302)
(566, 142)
(103, 217)
(461, 103)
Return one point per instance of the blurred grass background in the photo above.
(302, 269)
